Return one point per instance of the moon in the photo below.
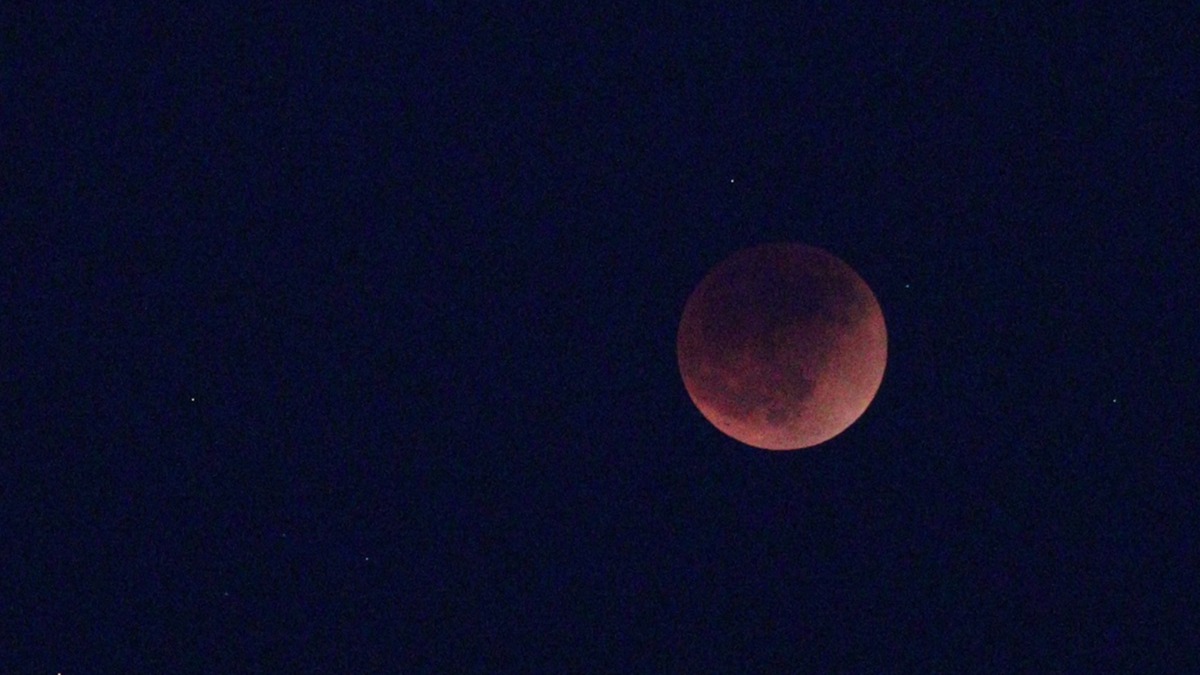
(782, 346)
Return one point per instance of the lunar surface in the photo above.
(782, 346)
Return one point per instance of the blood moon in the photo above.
(782, 346)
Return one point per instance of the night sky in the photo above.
(342, 339)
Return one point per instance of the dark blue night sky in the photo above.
(341, 339)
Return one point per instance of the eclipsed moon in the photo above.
(782, 346)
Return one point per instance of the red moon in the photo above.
(782, 346)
